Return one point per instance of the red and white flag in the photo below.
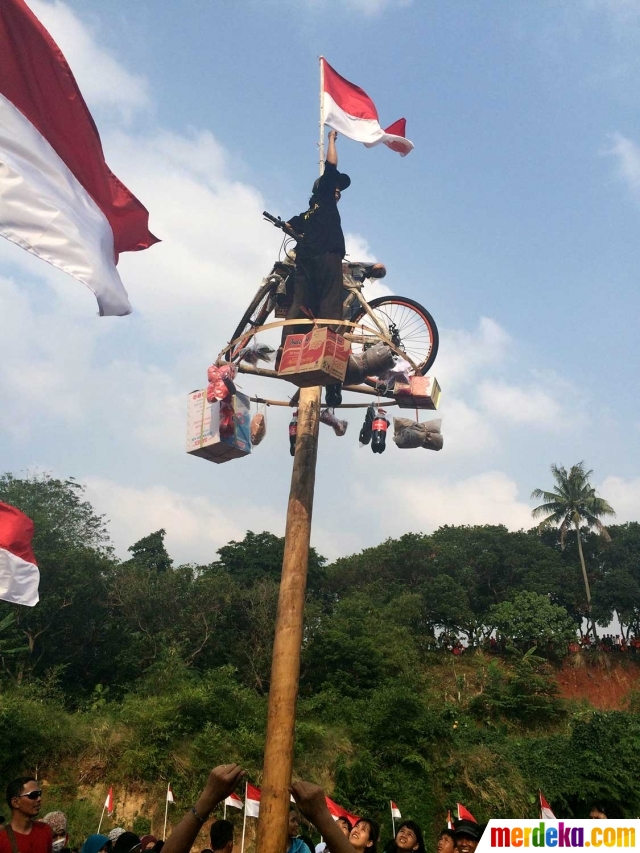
(108, 803)
(170, 795)
(545, 808)
(465, 814)
(350, 111)
(395, 811)
(252, 801)
(19, 574)
(337, 811)
(449, 819)
(58, 198)
(234, 801)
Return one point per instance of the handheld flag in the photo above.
(252, 801)
(108, 803)
(465, 814)
(545, 808)
(19, 575)
(395, 811)
(337, 811)
(449, 819)
(58, 198)
(349, 110)
(234, 801)
(170, 795)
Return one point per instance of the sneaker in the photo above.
(333, 395)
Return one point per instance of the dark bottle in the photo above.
(365, 432)
(293, 433)
(379, 432)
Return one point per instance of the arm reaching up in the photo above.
(311, 802)
(332, 154)
(222, 781)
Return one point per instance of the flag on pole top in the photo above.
(349, 110)
(545, 808)
(395, 811)
(58, 198)
(337, 811)
(252, 801)
(449, 819)
(170, 795)
(108, 803)
(19, 575)
(465, 814)
(234, 801)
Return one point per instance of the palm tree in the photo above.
(572, 503)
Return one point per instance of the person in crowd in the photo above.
(296, 844)
(221, 837)
(148, 842)
(58, 823)
(446, 841)
(24, 831)
(312, 804)
(342, 823)
(597, 812)
(408, 839)
(466, 836)
(222, 781)
(364, 835)
(96, 843)
(115, 833)
(127, 842)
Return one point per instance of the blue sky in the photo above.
(515, 221)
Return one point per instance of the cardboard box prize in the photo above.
(421, 392)
(318, 358)
(203, 428)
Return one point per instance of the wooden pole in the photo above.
(285, 666)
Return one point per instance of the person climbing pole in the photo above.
(317, 282)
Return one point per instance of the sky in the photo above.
(515, 221)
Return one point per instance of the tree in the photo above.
(530, 619)
(573, 502)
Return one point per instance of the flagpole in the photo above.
(166, 812)
(244, 819)
(224, 814)
(393, 822)
(101, 817)
(321, 145)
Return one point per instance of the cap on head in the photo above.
(468, 828)
(343, 179)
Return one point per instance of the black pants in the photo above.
(317, 286)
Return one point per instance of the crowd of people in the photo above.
(24, 832)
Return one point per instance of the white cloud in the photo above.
(624, 497)
(627, 156)
(463, 354)
(521, 405)
(365, 7)
(102, 79)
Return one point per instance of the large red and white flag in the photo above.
(545, 808)
(252, 801)
(19, 574)
(350, 111)
(234, 801)
(108, 803)
(465, 814)
(395, 811)
(58, 198)
(337, 811)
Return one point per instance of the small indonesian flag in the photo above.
(545, 808)
(108, 803)
(234, 801)
(449, 819)
(350, 111)
(170, 795)
(465, 814)
(252, 801)
(19, 575)
(395, 811)
(337, 811)
(58, 198)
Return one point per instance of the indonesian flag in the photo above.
(58, 198)
(465, 814)
(19, 575)
(252, 801)
(545, 808)
(449, 820)
(337, 811)
(170, 794)
(395, 811)
(108, 803)
(350, 111)
(234, 801)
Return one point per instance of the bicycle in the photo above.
(400, 322)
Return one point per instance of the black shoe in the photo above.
(333, 395)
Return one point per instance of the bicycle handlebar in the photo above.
(279, 223)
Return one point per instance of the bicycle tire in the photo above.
(420, 340)
(255, 315)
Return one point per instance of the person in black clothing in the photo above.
(317, 283)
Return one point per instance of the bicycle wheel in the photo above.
(256, 314)
(408, 325)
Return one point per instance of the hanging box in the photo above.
(318, 358)
(421, 392)
(204, 421)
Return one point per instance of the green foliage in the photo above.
(531, 620)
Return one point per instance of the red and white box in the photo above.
(421, 392)
(218, 431)
(318, 358)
